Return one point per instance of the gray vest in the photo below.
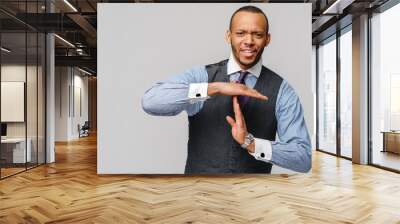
(211, 147)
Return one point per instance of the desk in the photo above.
(391, 141)
(13, 150)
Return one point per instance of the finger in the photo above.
(230, 121)
(241, 89)
(254, 93)
(238, 112)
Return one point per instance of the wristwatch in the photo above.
(248, 139)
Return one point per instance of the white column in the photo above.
(50, 92)
(360, 90)
(50, 100)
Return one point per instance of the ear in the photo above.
(268, 40)
(228, 36)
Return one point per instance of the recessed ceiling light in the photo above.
(64, 40)
(70, 5)
(5, 50)
(337, 7)
(84, 71)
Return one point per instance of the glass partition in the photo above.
(31, 100)
(14, 153)
(41, 87)
(22, 63)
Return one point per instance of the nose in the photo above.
(248, 39)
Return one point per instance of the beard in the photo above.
(247, 65)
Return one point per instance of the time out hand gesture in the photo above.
(238, 125)
(233, 89)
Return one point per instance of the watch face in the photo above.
(248, 138)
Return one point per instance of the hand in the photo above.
(233, 89)
(239, 129)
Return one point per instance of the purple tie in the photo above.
(242, 99)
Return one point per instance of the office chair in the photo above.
(84, 130)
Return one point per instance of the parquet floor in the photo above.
(70, 191)
(10, 171)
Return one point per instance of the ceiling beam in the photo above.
(84, 61)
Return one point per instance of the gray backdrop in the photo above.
(140, 44)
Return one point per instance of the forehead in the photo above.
(249, 20)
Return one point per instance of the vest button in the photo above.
(262, 155)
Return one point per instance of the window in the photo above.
(327, 96)
(385, 89)
(346, 94)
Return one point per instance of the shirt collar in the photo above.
(233, 67)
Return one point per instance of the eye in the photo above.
(239, 33)
(259, 35)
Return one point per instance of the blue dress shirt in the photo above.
(292, 150)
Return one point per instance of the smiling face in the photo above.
(248, 37)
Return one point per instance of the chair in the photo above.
(84, 130)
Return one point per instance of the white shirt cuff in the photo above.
(262, 150)
(197, 92)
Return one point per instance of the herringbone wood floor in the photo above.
(70, 191)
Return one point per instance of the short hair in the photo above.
(252, 9)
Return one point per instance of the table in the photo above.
(13, 150)
(391, 141)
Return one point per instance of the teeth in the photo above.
(248, 52)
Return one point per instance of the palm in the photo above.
(236, 89)
(238, 134)
(239, 130)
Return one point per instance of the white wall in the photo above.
(18, 73)
(79, 117)
(176, 37)
(68, 82)
(61, 103)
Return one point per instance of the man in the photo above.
(236, 107)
